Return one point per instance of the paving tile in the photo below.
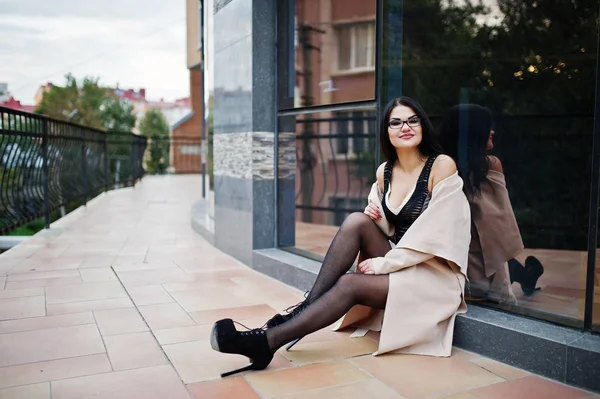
(464, 354)
(199, 300)
(239, 313)
(47, 282)
(34, 391)
(404, 373)
(20, 293)
(149, 295)
(306, 378)
(42, 265)
(123, 260)
(84, 292)
(2, 282)
(374, 335)
(77, 307)
(196, 361)
(462, 395)
(326, 334)
(313, 352)
(94, 275)
(151, 277)
(131, 351)
(7, 264)
(163, 316)
(500, 369)
(183, 334)
(200, 285)
(227, 388)
(20, 308)
(39, 323)
(141, 266)
(42, 275)
(32, 373)
(97, 261)
(371, 388)
(528, 387)
(149, 383)
(119, 321)
(49, 344)
(129, 249)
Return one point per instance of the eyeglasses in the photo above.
(413, 121)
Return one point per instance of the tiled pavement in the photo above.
(117, 301)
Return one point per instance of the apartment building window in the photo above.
(356, 128)
(356, 46)
(342, 207)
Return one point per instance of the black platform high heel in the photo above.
(252, 344)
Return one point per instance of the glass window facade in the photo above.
(327, 52)
(533, 65)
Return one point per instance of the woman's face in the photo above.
(490, 142)
(404, 127)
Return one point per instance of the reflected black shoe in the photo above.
(252, 344)
(516, 271)
(533, 270)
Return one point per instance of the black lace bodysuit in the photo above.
(415, 205)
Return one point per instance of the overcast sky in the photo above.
(136, 43)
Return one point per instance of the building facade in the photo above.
(187, 132)
(298, 87)
(8, 101)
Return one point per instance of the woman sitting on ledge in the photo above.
(418, 283)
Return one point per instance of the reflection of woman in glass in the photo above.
(417, 203)
(495, 236)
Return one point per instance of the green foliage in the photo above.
(533, 63)
(534, 67)
(87, 104)
(154, 126)
(118, 115)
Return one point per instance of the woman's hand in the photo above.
(373, 212)
(366, 267)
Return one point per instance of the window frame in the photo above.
(371, 55)
(200, 25)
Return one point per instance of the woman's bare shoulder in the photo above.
(443, 167)
(495, 164)
(379, 175)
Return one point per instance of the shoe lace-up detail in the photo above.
(297, 308)
(252, 331)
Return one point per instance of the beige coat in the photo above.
(427, 270)
(495, 239)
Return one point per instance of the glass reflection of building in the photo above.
(333, 64)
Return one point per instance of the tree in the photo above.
(88, 104)
(118, 115)
(154, 126)
(74, 103)
(535, 68)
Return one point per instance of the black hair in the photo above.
(429, 144)
(464, 134)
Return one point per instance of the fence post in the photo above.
(132, 158)
(106, 176)
(83, 167)
(45, 173)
